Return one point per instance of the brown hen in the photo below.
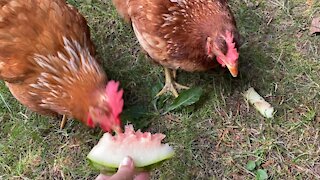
(185, 34)
(47, 61)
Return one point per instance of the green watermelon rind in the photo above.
(103, 159)
(112, 168)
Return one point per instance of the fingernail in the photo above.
(126, 162)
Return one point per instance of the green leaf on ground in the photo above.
(261, 174)
(251, 165)
(186, 98)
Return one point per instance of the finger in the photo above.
(102, 177)
(126, 170)
(142, 176)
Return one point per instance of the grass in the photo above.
(215, 138)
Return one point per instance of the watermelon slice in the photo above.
(145, 149)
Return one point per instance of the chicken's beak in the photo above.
(233, 69)
(117, 129)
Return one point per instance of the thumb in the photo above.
(126, 170)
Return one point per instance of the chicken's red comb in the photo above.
(90, 122)
(114, 97)
(232, 54)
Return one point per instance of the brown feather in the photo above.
(47, 57)
(174, 32)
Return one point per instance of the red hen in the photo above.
(47, 61)
(185, 34)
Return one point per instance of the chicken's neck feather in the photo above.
(68, 78)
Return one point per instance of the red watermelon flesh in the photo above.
(144, 148)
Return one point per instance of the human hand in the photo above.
(126, 171)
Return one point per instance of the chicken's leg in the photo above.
(171, 85)
(178, 86)
(63, 122)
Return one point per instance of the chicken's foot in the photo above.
(171, 85)
(177, 85)
(63, 122)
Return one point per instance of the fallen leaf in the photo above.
(318, 119)
(309, 2)
(315, 26)
(261, 174)
(251, 165)
(268, 163)
(186, 98)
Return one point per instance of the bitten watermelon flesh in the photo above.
(145, 149)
